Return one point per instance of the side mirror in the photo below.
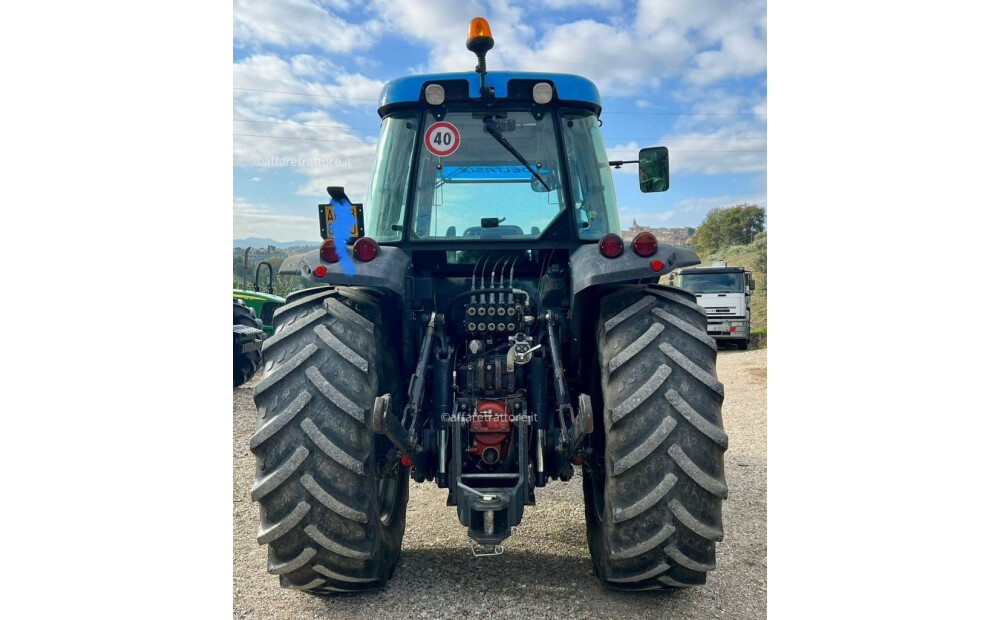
(752, 284)
(654, 169)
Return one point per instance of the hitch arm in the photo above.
(418, 382)
(383, 422)
(582, 423)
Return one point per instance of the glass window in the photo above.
(595, 207)
(481, 190)
(386, 201)
(712, 282)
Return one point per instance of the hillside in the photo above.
(262, 242)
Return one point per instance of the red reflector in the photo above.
(365, 249)
(611, 246)
(644, 244)
(656, 265)
(407, 461)
(732, 329)
(320, 271)
(328, 252)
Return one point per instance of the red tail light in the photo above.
(644, 244)
(611, 246)
(328, 252)
(365, 249)
(320, 271)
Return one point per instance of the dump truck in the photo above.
(724, 292)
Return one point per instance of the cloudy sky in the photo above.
(687, 74)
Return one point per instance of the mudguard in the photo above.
(589, 268)
(388, 270)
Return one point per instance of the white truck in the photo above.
(724, 292)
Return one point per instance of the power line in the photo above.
(247, 120)
(323, 37)
(689, 151)
(252, 135)
(611, 139)
(606, 138)
(686, 113)
(285, 92)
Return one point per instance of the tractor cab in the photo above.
(524, 163)
(495, 157)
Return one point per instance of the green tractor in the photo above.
(481, 325)
(253, 313)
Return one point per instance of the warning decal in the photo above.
(442, 139)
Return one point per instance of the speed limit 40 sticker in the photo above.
(442, 139)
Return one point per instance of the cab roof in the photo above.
(410, 89)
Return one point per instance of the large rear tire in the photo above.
(332, 510)
(245, 365)
(654, 489)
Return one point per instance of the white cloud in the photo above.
(443, 25)
(288, 82)
(564, 4)
(725, 151)
(608, 55)
(431, 21)
(309, 66)
(706, 203)
(729, 34)
(740, 54)
(314, 142)
(254, 220)
(300, 23)
(701, 40)
(736, 147)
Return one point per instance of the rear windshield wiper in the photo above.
(492, 130)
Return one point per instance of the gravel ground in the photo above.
(546, 570)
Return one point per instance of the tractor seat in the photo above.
(500, 232)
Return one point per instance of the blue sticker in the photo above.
(340, 232)
(489, 173)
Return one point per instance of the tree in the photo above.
(728, 226)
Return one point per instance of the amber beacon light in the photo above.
(479, 42)
(479, 28)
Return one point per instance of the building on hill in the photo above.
(673, 236)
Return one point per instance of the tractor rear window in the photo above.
(471, 183)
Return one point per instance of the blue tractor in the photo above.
(480, 324)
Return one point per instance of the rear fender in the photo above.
(589, 268)
(387, 271)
